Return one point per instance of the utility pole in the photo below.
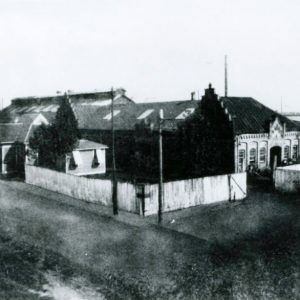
(114, 179)
(160, 185)
(226, 77)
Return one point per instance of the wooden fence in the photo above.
(287, 179)
(177, 194)
(87, 189)
(192, 192)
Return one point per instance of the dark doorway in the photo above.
(275, 152)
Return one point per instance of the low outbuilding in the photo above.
(88, 158)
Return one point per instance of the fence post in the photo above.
(114, 179)
(160, 158)
(229, 187)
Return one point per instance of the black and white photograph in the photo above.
(149, 149)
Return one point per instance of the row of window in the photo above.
(263, 155)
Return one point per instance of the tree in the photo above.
(145, 160)
(66, 127)
(43, 145)
(52, 142)
(206, 141)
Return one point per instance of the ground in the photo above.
(243, 250)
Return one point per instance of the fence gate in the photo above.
(235, 188)
(140, 199)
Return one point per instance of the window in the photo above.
(242, 156)
(286, 152)
(252, 158)
(295, 151)
(262, 155)
(77, 157)
(95, 162)
(72, 164)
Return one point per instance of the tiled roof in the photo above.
(250, 116)
(86, 145)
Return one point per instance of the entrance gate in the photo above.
(275, 152)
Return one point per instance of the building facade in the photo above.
(260, 136)
(263, 137)
(262, 150)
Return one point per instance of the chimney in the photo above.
(209, 94)
(120, 92)
(210, 91)
(192, 96)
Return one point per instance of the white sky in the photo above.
(155, 49)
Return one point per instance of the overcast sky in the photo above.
(156, 50)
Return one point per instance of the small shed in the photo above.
(88, 158)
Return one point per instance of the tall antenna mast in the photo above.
(226, 77)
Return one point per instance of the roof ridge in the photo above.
(168, 101)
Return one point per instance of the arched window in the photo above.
(242, 156)
(295, 151)
(252, 156)
(262, 155)
(286, 152)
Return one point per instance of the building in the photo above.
(15, 131)
(93, 112)
(88, 158)
(259, 136)
(19, 120)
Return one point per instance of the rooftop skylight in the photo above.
(145, 114)
(108, 117)
(185, 113)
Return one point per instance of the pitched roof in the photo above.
(126, 117)
(19, 127)
(94, 98)
(13, 132)
(87, 145)
(250, 116)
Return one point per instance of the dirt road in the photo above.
(120, 261)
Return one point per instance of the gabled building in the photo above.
(259, 134)
(19, 120)
(15, 130)
(93, 112)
